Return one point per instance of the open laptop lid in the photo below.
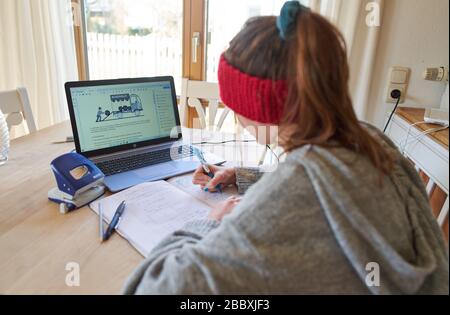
(111, 116)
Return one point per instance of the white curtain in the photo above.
(37, 51)
(350, 16)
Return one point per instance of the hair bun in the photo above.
(288, 17)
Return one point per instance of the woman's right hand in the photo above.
(223, 176)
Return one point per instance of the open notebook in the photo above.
(156, 209)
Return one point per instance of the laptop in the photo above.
(130, 129)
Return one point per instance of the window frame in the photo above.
(194, 21)
(79, 27)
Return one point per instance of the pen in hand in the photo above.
(208, 172)
(206, 168)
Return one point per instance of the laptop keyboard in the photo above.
(135, 162)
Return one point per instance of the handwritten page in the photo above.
(185, 184)
(153, 211)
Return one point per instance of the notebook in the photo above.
(157, 209)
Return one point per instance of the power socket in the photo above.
(393, 87)
(398, 80)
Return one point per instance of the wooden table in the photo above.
(37, 242)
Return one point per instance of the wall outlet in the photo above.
(398, 80)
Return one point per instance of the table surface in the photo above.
(415, 115)
(37, 242)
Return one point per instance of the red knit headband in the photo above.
(257, 99)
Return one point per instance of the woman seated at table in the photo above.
(345, 213)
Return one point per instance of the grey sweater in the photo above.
(319, 224)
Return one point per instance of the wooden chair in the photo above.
(16, 106)
(439, 200)
(441, 206)
(193, 92)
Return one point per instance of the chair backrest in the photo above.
(16, 106)
(192, 94)
(440, 206)
(439, 200)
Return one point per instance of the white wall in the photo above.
(414, 34)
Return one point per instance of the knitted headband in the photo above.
(258, 99)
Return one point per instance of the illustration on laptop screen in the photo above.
(122, 106)
(114, 115)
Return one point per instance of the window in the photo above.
(182, 38)
(225, 20)
(134, 38)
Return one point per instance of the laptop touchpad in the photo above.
(156, 171)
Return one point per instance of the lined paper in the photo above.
(153, 211)
(185, 184)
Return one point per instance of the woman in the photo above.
(345, 213)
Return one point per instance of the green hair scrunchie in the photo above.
(287, 20)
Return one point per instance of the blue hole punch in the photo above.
(79, 182)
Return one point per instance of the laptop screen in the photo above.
(121, 114)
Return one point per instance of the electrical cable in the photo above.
(418, 137)
(237, 141)
(427, 132)
(395, 94)
(402, 143)
(273, 153)
(223, 142)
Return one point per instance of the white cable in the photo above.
(405, 141)
(401, 145)
(427, 132)
(424, 133)
(421, 135)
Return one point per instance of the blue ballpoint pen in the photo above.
(115, 221)
(205, 166)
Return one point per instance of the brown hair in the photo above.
(313, 60)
